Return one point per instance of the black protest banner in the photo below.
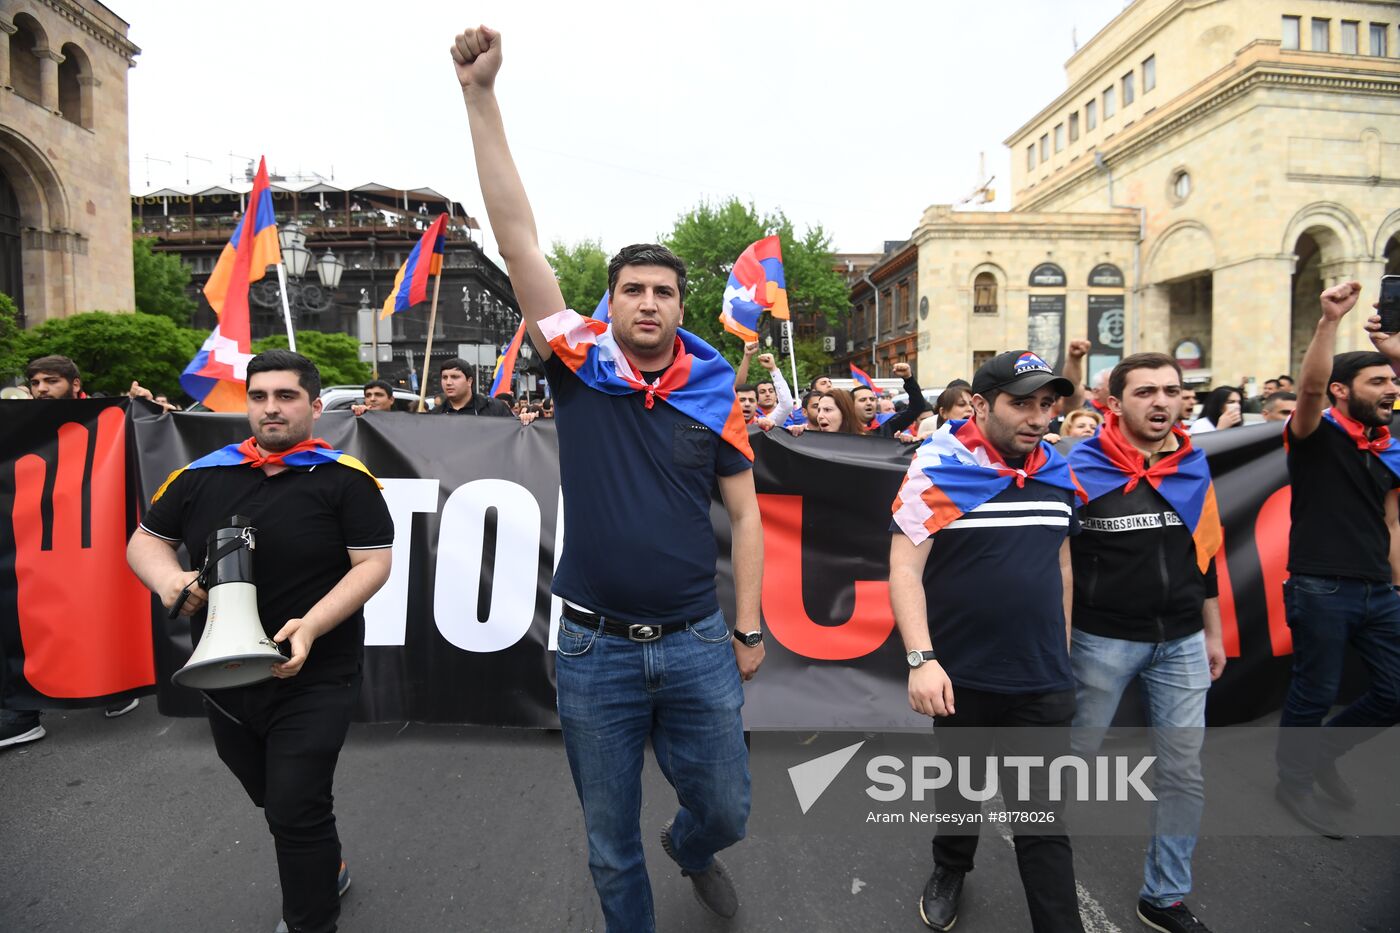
(464, 629)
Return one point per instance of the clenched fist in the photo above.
(477, 55)
(1079, 348)
(901, 371)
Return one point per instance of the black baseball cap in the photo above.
(1018, 373)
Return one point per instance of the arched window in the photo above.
(24, 64)
(11, 269)
(984, 294)
(75, 85)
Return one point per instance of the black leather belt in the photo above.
(643, 632)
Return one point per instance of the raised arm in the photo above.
(1317, 362)
(1074, 372)
(476, 53)
(741, 373)
(780, 386)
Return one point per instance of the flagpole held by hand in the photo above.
(792, 354)
(428, 351)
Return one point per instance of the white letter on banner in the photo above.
(556, 605)
(386, 613)
(457, 581)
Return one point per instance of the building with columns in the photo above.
(1209, 168)
(65, 221)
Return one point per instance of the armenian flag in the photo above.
(698, 383)
(862, 377)
(1107, 462)
(308, 453)
(505, 364)
(957, 469)
(411, 284)
(756, 284)
(218, 374)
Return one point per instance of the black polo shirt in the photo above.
(637, 482)
(995, 593)
(306, 518)
(1338, 507)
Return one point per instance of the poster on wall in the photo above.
(1106, 328)
(1046, 329)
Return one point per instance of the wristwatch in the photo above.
(920, 658)
(751, 639)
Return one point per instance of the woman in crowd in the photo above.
(954, 402)
(1219, 411)
(832, 412)
(1081, 423)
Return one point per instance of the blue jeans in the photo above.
(1325, 614)
(1175, 677)
(683, 692)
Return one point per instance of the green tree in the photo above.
(710, 238)
(582, 270)
(337, 356)
(11, 337)
(112, 350)
(161, 282)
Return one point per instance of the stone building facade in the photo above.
(1231, 158)
(65, 226)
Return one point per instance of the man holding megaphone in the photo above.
(311, 536)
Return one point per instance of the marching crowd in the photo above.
(1113, 543)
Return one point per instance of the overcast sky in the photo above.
(622, 116)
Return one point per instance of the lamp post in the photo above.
(294, 296)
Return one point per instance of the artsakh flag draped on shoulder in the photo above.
(1382, 445)
(411, 284)
(699, 382)
(505, 365)
(756, 284)
(862, 377)
(308, 453)
(604, 310)
(1107, 462)
(218, 374)
(957, 469)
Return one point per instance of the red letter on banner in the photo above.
(1271, 530)
(871, 618)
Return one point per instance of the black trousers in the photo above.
(993, 724)
(282, 739)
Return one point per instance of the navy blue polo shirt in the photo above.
(995, 594)
(637, 483)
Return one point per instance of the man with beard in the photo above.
(1145, 608)
(323, 539)
(648, 426)
(981, 500)
(1344, 469)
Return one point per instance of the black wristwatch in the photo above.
(751, 639)
(920, 658)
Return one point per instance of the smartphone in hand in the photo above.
(1389, 305)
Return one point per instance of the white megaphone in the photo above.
(234, 651)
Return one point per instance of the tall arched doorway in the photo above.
(1315, 248)
(11, 262)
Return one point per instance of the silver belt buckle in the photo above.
(643, 632)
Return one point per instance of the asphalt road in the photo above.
(134, 825)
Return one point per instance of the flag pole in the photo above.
(792, 354)
(428, 351)
(286, 308)
(374, 342)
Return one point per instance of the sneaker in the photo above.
(1335, 786)
(713, 887)
(938, 905)
(18, 733)
(121, 709)
(1306, 809)
(1174, 919)
(342, 884)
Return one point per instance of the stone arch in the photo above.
(1390, 227)
(26, 73)
(988, 285)
(1185, 248)
(47, 288)
(42, 202)
(75, 86)
(1333, 218)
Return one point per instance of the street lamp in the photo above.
(329, 268)
(295, 255)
